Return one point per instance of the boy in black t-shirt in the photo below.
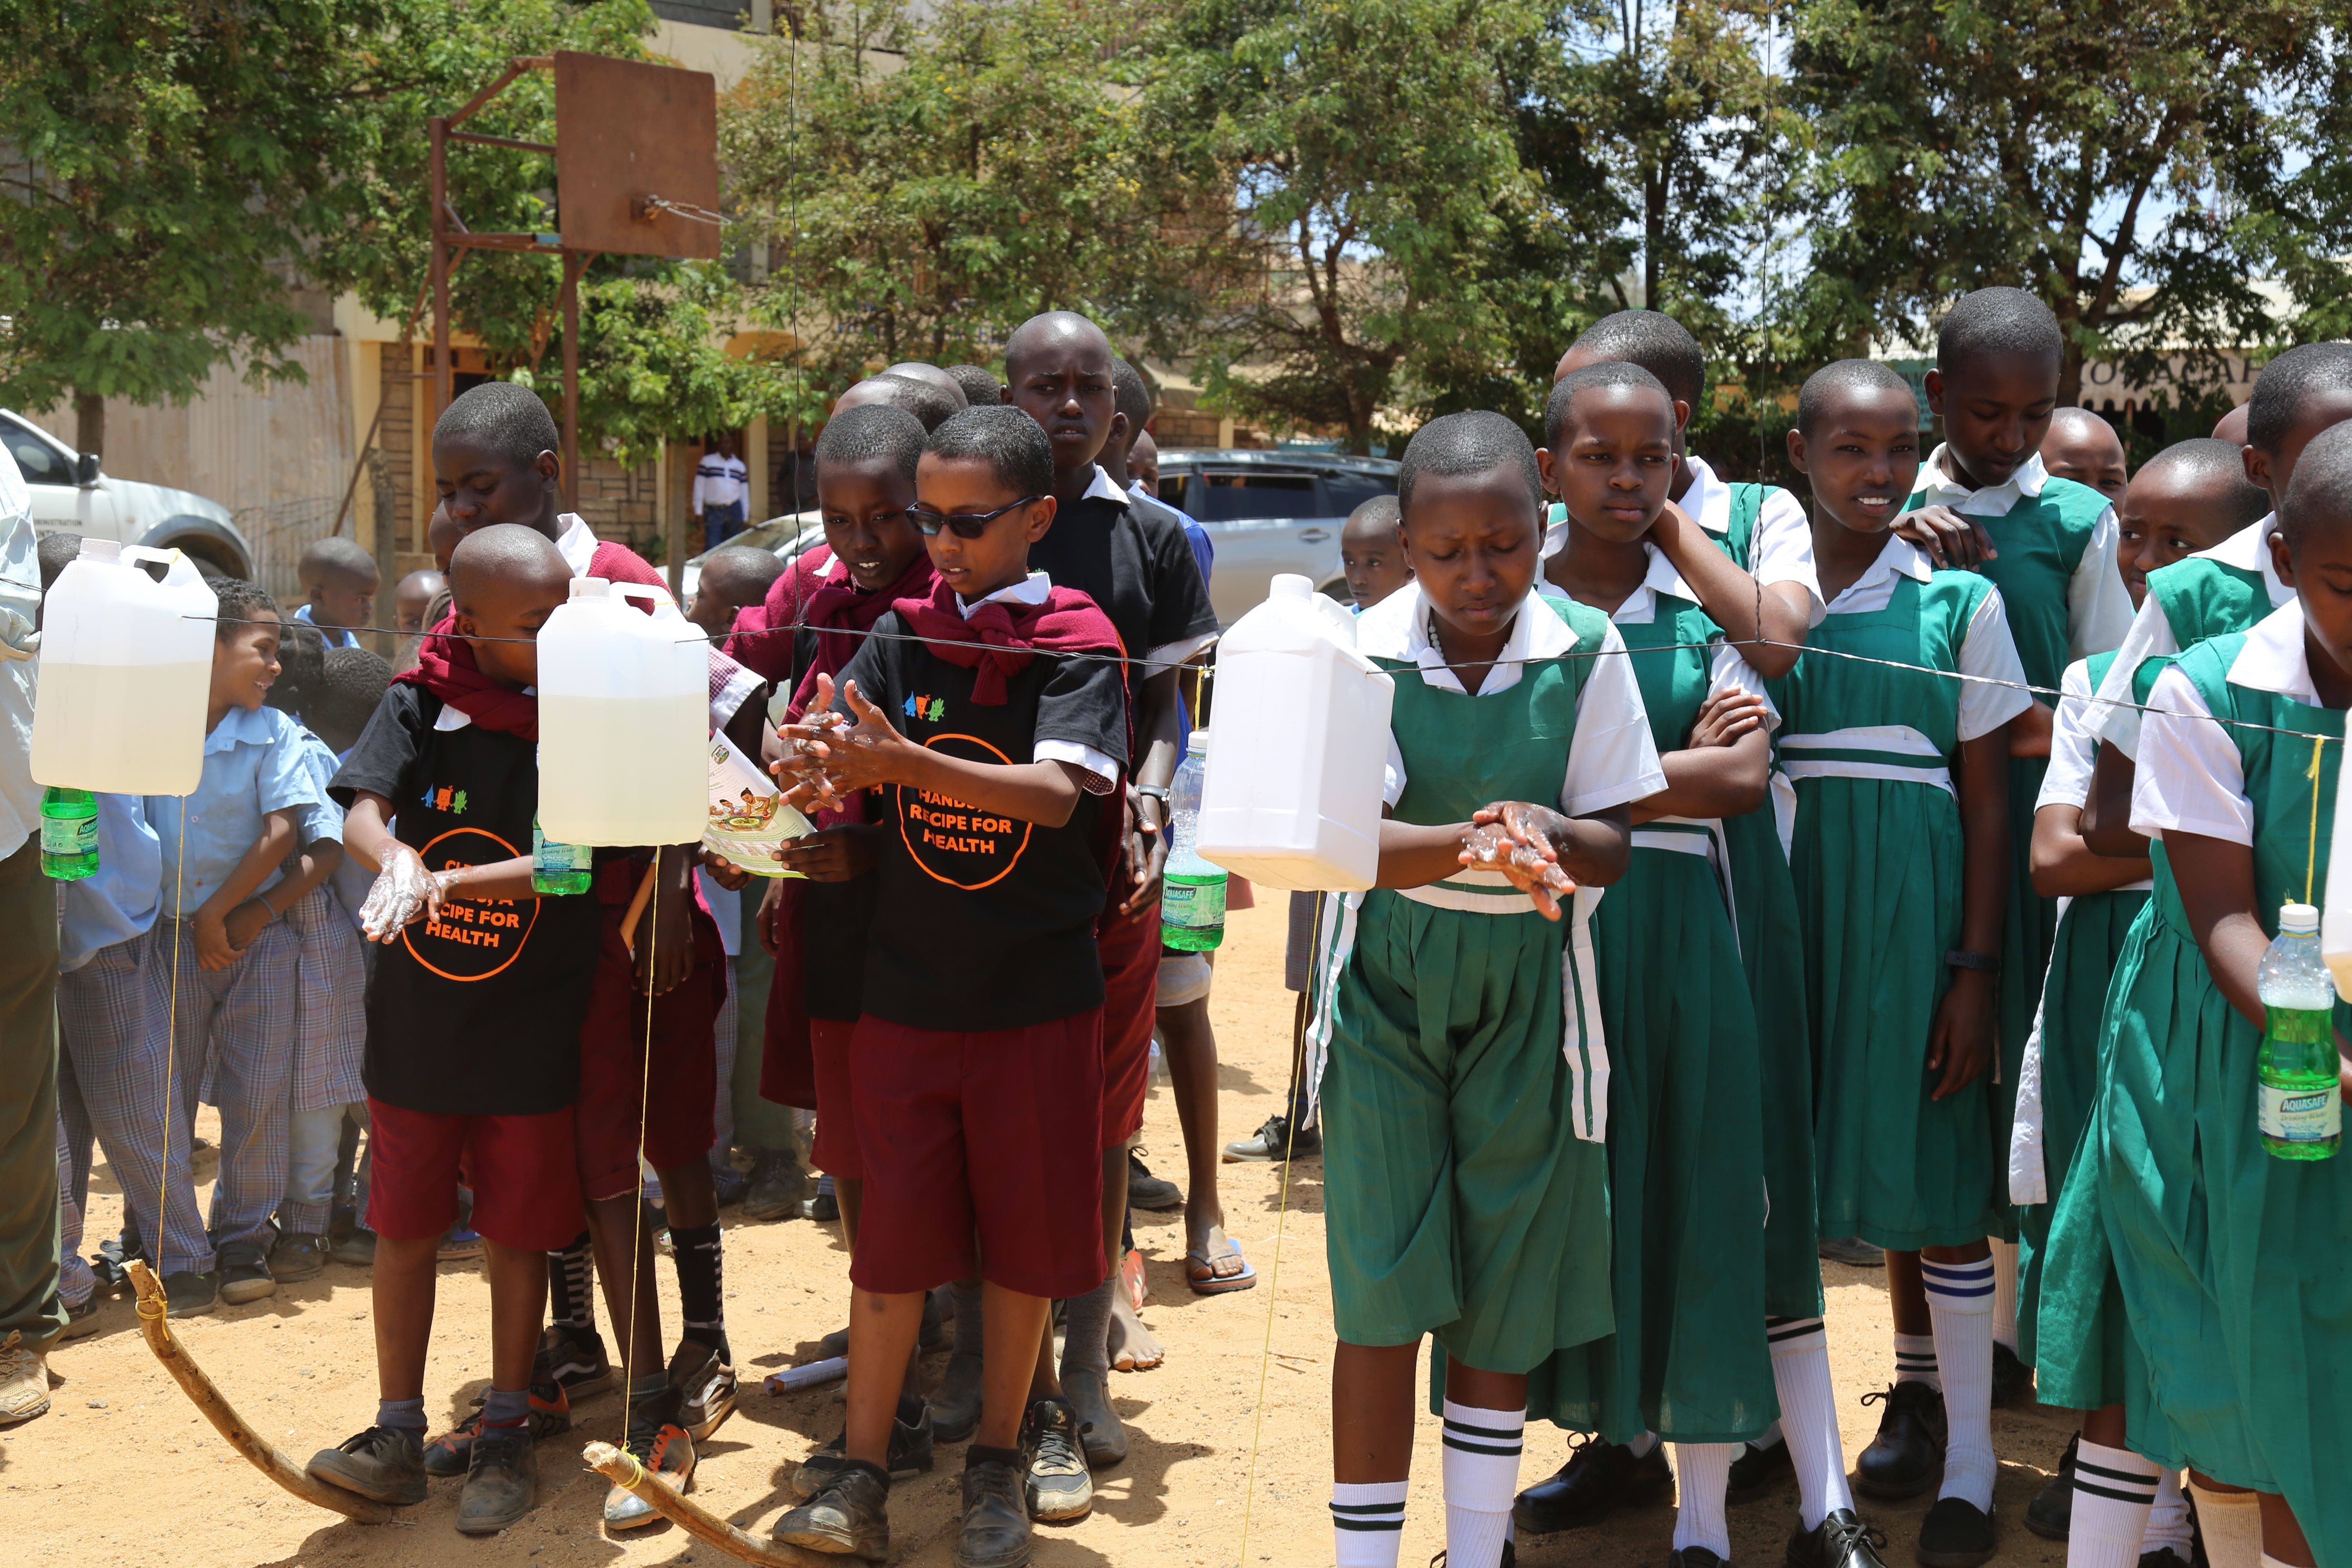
(473, 1020)
(976, 1071)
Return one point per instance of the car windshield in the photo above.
(1246, 496)
(1348, 491)
(36, 457)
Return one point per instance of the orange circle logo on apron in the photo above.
(955, 843)
(471, 940)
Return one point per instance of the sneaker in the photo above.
(1852, 1251)
(1104, 1434)
(501, 1482)
(1902, 1459)
(191, 1293)
(662, 1447)
(1840, 1541)
(994, 1529)
(849, 1516)
(728, 1184)
(574, 1357)
(452, 1453)
(1758, 1471)
(2012, 1379)
(23, 1382)
(954, 1408)
(80, 1320)
(705, 1388)
(1598, 1479)
(297, 1256)
(359, 1248)
(384, 1464)
(459, 1245)
(1146, 1191)
(1281, 1138)
(913, 1451)
(243, 1277)
(2051, 1515)
(776, 1187)
(1956, 1535)
(1057, 1488)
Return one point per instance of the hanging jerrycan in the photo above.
(126, 673)
(623, 705)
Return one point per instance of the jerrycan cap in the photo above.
(2301, 920)
(1290, 586)
(591, 588)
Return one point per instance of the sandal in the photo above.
(1201, 1274)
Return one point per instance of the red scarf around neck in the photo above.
(818, 593)
(1067, 622)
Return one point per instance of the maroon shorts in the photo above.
(518, 1166)
(679, 1095)
(994, 1131)
(1130, 946)
(836, 1128)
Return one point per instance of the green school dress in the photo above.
(1461, 1200)
(2083, 959)
(2039, 542)
(1878, 862)
(1688, 1359)
(2235, 1267)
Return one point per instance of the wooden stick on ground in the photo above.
(225, 1421)
(622, 1468)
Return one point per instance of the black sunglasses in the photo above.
(929, 520)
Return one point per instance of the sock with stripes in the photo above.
(2231, 1524)
(570, 1293)
(1702, 1476)
(2004, 1293)
(2112, 1490)
(2167, 1521)
(1915, 1360)
(1809, 1418)
(1481, 1459)
(701, 1296)
(1959, 1303)
(1367, 1522)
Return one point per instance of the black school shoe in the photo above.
(243, 1274)
(995, 1530)
(2051, 1515)
(452, 1453)
(2012, 1379)
(1146, 1191)
(1758, 1469)
(913, 1451)
(1902, 1459)
(1693, 1557)
(1840, 1541)
(382, 1463)
(848, 1517)
(1956, 1535)
(501, 1481)
(1598, 1479)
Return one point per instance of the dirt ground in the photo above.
(1229, 1461)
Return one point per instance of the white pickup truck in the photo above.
(72, 494)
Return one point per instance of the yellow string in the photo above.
(2311, 861)
(171, 1045)
(644, 1098)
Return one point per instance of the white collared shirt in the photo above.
(1033, 590)
(1726, 670)
(2073, 755)
(1988, 652)
(2098, 605)
(2116, 720)
(1610, 759)
(2191, 776)
(731, 683)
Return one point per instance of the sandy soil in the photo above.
(1229, 1463)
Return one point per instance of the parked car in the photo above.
(1269, 513)
(72, 494)
(789, 536)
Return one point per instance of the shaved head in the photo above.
(1054, 330)
(934, 406)
(493, 564)
(931, 374)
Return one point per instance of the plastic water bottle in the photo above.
(1192, 896)
(2302, 1113)
(69, 833)
(557, 867)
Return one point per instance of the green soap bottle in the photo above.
(68, 834)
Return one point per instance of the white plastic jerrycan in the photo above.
(1301, 721)
(624, 731)
(126, 673)
(2335, 921)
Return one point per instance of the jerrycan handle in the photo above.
(657, 598)
(179, 572)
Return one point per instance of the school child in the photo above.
(981, 387)
(473, 1045)
(934, 405)
(1131, 559)
(494, 461)
(220, 967)
(2084, 448)
(2227, 1259)
(976, 1065)
(1371, 553)
(339, 581)
(2051, 550)
(733, 578)
(1901, 858)
(410, 597)
(2186, 498)
(1463, 1166)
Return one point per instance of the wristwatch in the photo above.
(1959, 958)
(1157, 791)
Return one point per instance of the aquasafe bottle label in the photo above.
(70, 836)
(1193, 912)
(2306, 1116)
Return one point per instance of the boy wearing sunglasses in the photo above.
(991, 716)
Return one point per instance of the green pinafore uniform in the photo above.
(1688, 1359)
(1878, 866)
(1461, 1200)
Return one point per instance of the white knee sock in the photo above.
(1367, 1522)
(1959, 1304)
(2232, 1523)
(1640, 1447)
(1915, 1360)
(2004, 1293)
(1702, 1474)
(1800, 1376)
(1481, 1458)
(2112, 1490)
(2167, 1521)
(1771, 1435)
